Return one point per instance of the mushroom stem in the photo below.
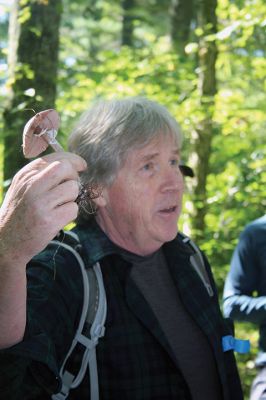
(50, 137)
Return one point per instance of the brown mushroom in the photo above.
(40, 132)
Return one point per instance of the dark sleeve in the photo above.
(54, 300)
(244, 279)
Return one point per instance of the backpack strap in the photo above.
(198, 264)
(91, 324)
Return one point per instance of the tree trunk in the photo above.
(33, 63)
(207, 56)
(181, 16)
(128, 19)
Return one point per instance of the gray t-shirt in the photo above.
(189, 344)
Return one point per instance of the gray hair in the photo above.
(106, 132)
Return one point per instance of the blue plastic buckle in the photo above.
(238, 345)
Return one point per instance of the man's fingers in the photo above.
(47, 172)
(63, 193)
(56, 173)
(66, 213)
(78, 163)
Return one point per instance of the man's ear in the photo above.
(101, 200)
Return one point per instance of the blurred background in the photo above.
(203, 59)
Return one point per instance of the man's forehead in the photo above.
(155, 148)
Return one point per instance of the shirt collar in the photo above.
(98, 245)
(94, 241)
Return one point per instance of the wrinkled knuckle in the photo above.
(64, 168)
(66, 165)
(53, 170)
(19, 177)
(56, 166)
(38, 162)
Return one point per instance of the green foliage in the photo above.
(246, 361)
(236, 184)
(93, 65)
(152, 71)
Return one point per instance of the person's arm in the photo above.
(30, 368)
(39, 202)
(243, 280)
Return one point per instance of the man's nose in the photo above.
(172, 179)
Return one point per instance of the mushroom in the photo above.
(40, 132)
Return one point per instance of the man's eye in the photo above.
(147, 167)
(174, 162)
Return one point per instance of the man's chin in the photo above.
(169, 235)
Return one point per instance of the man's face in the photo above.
(139, 211)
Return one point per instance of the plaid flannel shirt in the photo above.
(135, 361)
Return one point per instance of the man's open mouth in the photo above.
(168, 210)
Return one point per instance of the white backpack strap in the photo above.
(97, 331)
(94, 312)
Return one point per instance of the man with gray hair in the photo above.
(164, 330)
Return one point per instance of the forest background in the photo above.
(203, 59)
